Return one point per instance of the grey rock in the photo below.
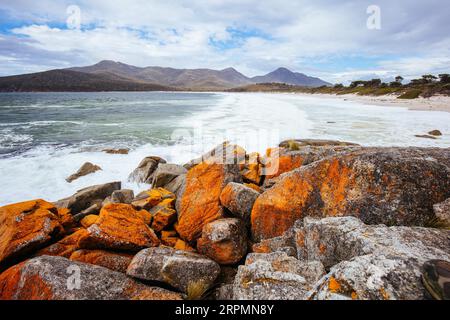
(176, 184)
(86, 197)
(93, 209)
(316, 143)
(442, 211)
(180, 269)
(59, 278)
(284, 243)
(239, 200)
(146, 168)
(86, 168)
(275, 276)
(224, 153)
(165, 173)
(370, 262)
(435, 133)
(122, 196)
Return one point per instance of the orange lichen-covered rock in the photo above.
(163, 217)
(198, 203)
(89, 220)
(253, 186)
(183, 245)
(239, 200)
(112, 260)
(169, 238)
(224, 241)
(27, 226)
(278, 161)
(151, 198)
(395, 186)
(64, 247)
(252, 169)
(66, 218)
(120, 227)
(57, 278)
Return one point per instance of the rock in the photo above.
(284, 243)
(184, 246)
(86, 168)
(111, 260)
(239, 200)
(89, 220)
(25, 227)
(435, 133)
(122, 196)
(224, 241)
(224, 153)
(426, 136)
(224, 291)
(92, 210)
(179, 269)
(151, 198)
(55, 278)
(370, 261)
(275, 276)
(116, 151)
(176, 184)
(163, 215)
(252, 169)
(316, 143)
(198, 201)
(146, 168)
(253, 186)
(442, 211)
(169, 238)
(120, 227)
(166, 173)
(86, 197)
(64, 247)
(395, 186)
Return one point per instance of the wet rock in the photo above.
(395, 186)
(239, 200)
(55, 278)
(25, 227)
(166, 173)
(146, 168)
(111, 260)
(116, 151)
(442, 211)
(275, 276)
(224, 241)
(180, 269)
(435, 133)
(86, 168)
(198, 201)
(86, 197)
(122, 196)
(370, 261)
(120, 227)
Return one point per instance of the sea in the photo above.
(45, 137)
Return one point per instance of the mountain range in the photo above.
(116, 76)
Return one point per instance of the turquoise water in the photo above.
(45, 137)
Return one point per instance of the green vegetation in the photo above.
(426, 86)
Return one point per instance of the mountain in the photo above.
(283, 75)
(116, 76)
(68, 80)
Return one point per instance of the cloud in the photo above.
(320, 37)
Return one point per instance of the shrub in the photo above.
(411, 94)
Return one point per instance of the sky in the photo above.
(336, 40)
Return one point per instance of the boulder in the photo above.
(146, 168)
(176, 184)
(164, 215)
(316, 143)
(86, 168)
(239, 200)
(111, 260)
(442, 211)
(64, 247)
(57, 278)
(224, 241)
(25, 227)
(254, 187)
(116, 151)
(169, 238)
(120, 227)
(92, 210)
(122, 196)
(435, 133)
(148, 199)
(284, 243)
(166, 173)
(179, 269)
(86, 197)
(89, 220)
(224, 153)
(369, 261)
(198, 201)
(395, 186)
(275, 276)
(252, 169)
(184, 246)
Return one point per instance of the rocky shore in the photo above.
(309, 219)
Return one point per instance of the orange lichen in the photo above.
(354, 295)
(322, 248)
(66, 246)
(89, 220)
(183, 245)
(253, 186)
(112, 260)
(333, 285)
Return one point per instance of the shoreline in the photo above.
(434, 103)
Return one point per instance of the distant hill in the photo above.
(116, 76)
(68, 80)
(283, 75)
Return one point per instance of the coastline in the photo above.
(434, 103)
